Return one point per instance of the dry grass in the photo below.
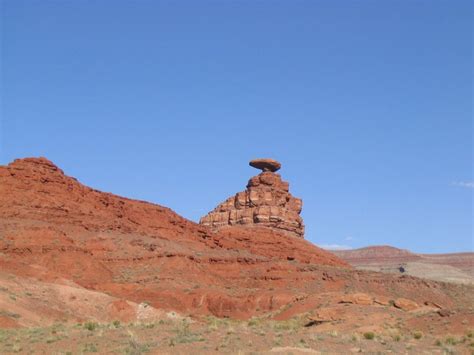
(217, 335)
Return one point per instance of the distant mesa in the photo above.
(265, 164)
(266, 202)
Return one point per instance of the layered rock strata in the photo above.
(266, 202)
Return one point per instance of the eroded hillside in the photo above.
(70, 253)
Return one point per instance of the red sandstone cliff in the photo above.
(56, 231)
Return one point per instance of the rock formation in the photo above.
(70, 254)
(266, 202)
(265, 164)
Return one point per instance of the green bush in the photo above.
(369, 335)
(91, 326)
(417, 335)
(450, 340)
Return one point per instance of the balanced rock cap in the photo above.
(265, 164)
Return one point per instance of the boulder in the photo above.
(265, 164)
(405, 304)
(444, 312)
(382, 300)
(357, 298)
(325, 315)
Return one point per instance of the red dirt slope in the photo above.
(54, 230)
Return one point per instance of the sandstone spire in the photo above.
(266, 202)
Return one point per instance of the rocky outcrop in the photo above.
(89, 255)
(405, 304)
(266, 202)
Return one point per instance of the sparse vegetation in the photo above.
(369, 335)
(177, 335)
(184, 334)
(91, 326)
(417, 335)
(90, 348)
(17, 348)
(277, 341)
(450, 340)
(252, 322)
(135, 347)
(302, 343)
(290, 325)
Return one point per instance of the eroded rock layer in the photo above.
(70, 254)
(266, 202)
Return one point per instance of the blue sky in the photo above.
(367, 104)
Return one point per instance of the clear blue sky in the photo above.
(367, 104)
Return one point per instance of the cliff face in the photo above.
(266, 202)
(110, 254)
(52, 227)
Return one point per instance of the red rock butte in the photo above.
(266, 202)
(70, 253)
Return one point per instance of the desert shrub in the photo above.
(397, 337)
(90, 348)
(438, 342)
(277, 340)
(252, 322)
(215, 323)
(116, 323)
(417, 335)
(450, 340)
(136, 348)
(91, 326)
(290, 325)
(302, 343)
(369, 335)
(17, 348)
(184, 335)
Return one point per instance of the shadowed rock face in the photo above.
(266, 202)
